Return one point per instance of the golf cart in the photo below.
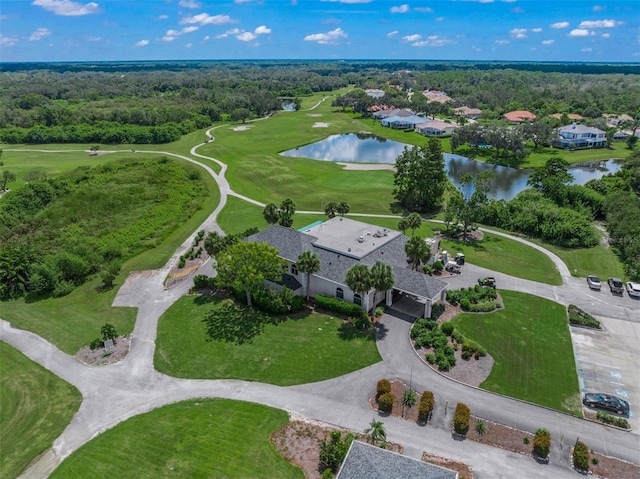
(488, 281)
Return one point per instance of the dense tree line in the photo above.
(57, 232)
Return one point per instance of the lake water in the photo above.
(366, 148)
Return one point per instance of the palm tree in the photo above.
(270, 214)
(330, 209)
(376, 431)
(309, 263)
(359, 281)
(414, 221)
(343, 208)
(417, 251)
(403, 225)
(409, 399)
(382, 277)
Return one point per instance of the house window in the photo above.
(339, 293)
(294, 269)
(357, 299)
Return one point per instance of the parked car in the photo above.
(594, 282)
(633, 289)
(615, 285)
(606, 401)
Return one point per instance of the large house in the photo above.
(403, 122)
(341, 243)
(436, 128)
(579, 136)
(519, 116)
(467, 112)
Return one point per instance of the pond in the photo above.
(367, 148)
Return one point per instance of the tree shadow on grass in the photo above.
(348, 332)
(234, 323)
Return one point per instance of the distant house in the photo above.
(519, 116)
(371, 462)
(386, 113)
(621, 135)
(436, 128)
(470, 113)
(615, 120)
(576, 136)
(571, 116)
(403, 122)
(375, 93)
(437, 96)
(341, 243)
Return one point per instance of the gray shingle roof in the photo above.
(365, 461)
(334, 266)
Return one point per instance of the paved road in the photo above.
(117, 392)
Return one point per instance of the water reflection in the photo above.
(367, 148)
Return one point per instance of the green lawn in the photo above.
(531, 344)
(296, 351)
(598, 260)
(36, 407)
(201, 438)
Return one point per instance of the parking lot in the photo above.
(609, 362)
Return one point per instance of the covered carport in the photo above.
(415, 293)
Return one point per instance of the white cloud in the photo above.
(39, 34)
(606, 35)
(7, 41)
(536, 30)
(392, 34)
(4, 17)
(206, 38)
(400, 9)
(262, 30)
(518, 33)
(189, 29)
(142, 43)
(206, 19)
(587, 50)
(433, 41)
(189, 4)
(439, 19)
(67, 7)
(423, 9)
(246, 36)
(241, 1)
(167, 38)
(598, 8)
(548, 42)
(344, 1)
(233, 31)
(579, 32)
(163, 17)
(598, 24)
(412, 38)
(517, 10)
(93, 39)
(503, 42)
(332, 37)
(559, 25)
(189, 45)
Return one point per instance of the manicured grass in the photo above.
(298, 350)
(530, 341)
(507, 256)
(36, 407)
(201, 438)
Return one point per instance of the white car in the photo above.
(633, 289)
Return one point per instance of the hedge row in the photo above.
(341, 307)
(427, 403)
(461, 418)
(581, 317)
(613, 420)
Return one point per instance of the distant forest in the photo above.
(156, 102)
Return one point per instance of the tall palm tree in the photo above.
(330, 209)
(382, 276)
(309, 263)
(270, 214)
(359, 281)
(403, 225)
(417, 251)
(414, 221)
(376, 431)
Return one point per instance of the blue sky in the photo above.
(519, 30)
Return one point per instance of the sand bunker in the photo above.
(321, 124)
(241, 128)
(314, 115)
(367, 166)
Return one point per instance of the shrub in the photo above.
(385, 402)
(457, 336)
(383, 387)
(484, 307)
(182, 262)
(379, 311)
(526, 440)
(447, 328)
(437, 266)
(360, 322)
(581, 456)
(427, 403)
(327, 474)
(339, 306)
(582, 318)
(202, 281)
(333, 452)
(465, 304)
(297, 303)
(444, 364)
(461, 418)
(431, 358)
(95, 344)
(542, 443)
(481, 427)
(613, 420)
